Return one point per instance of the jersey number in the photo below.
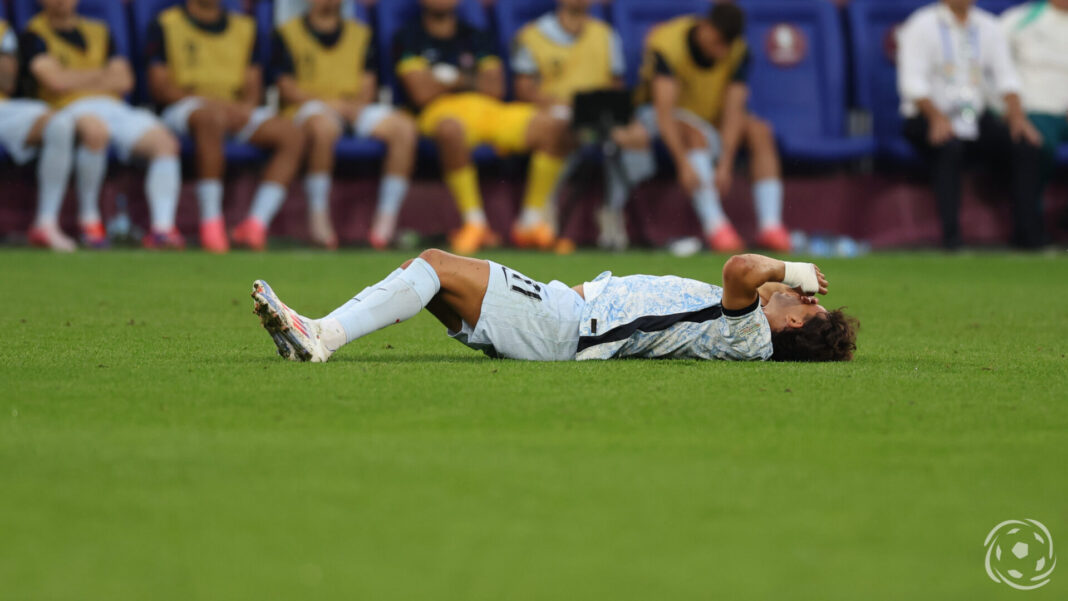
(522, 285)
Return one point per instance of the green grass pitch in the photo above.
(153, 446)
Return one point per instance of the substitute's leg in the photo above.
(718, 232)
(462, 180)
(399, 133)
(767, 184)
(55, 135)
(207, 125)
(91, 165)
(163, 184)
(287, 143)
(548, 137)
(322, 131)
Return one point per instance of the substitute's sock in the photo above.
(91, 167)
(265, 204)
(163, 183)
(317, 192)
(53, 167)
(391, 194)
(542, 179)
(209, 198)
(463, 184)
(767, 200)
(638, 165)
(706, 199)
(396, 300)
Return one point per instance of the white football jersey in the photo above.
(667, 317)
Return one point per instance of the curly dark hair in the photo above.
(831, 336)
(728, 19)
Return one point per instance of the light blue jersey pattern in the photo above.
(667, 317)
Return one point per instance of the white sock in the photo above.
(477, 216)
(163, 183)
(767, 200)
(53, 167)
(529, 217)
(706, 199)
(317, 192)
(91, 168)
(265, 204)
(396, 299)
(210, 197)
(391, 194)
(638, 165)
(363, 294)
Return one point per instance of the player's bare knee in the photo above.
(92, 133)
(450, 133)
(206, 124)
(692, 138)
(402, 130)
(760, 133)
(288, 137)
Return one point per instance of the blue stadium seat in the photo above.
(143, 13)
(109, 11)
(390, 16)
(348, 148)
(809, 120)
(871, 24)
(634, 18)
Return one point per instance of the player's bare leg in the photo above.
(452, 287)
(286, 143)
(208, 125)
(400, 135)
(462, 181)
(766, 173)
(549, 139)
(718, 231)
(322, 132)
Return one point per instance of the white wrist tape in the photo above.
(801, 275)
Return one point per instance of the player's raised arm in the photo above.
(744, 274)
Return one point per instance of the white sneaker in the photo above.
(297, 337)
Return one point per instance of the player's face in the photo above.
(576, 6)
(440, 6)
(324, 6)
(711, 43)
(59, 8)
(788, 310)
(961, 5)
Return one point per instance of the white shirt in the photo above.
(957, 66)
(1038, 36)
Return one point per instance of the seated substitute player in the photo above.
(202, 69)
(75, 69)
(327, 82)
(694, 77)
(26, 125)
(566, 52)
(763, 311)
(454, 79)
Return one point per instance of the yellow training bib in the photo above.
(209, 64)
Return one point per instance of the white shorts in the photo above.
(126, 124)
(524, 319)
(176, 117)
(646, 115)
(366, 122)
(16, 120)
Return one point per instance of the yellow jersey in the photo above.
(87, 46)
(326, 71)
(669, 49)
(210, 61)
(565, 64)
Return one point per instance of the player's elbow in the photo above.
(738, 268)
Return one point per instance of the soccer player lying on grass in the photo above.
(765, 310)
